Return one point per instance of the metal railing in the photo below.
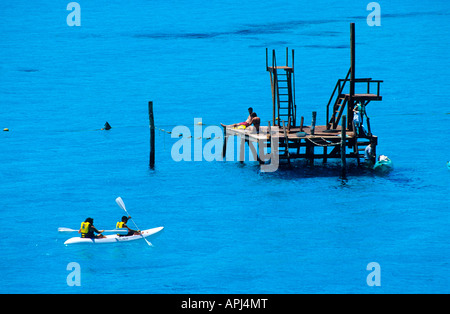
(340, 87)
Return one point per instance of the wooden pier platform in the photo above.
(292, 139)
(323, 144)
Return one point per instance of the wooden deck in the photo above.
(320, 131)
(366, 97)
(323, 144)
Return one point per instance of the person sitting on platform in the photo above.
(252, 119)
(256, 121)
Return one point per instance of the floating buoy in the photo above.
(6, 129)
(199, 123)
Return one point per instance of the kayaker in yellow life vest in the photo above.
(123, 224)
(87, 230)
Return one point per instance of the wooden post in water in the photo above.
(152, 134)
(313, 123)
(225, 140)
(343, 145)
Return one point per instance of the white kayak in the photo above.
(113, 238)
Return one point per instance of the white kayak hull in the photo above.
(114, 238)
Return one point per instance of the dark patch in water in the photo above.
(413, 14)
(292, 24)
(251, 29)
(28, 70)
(400, 15)
(257, 31)
(270, 44)
(301, 169)
(178, 35)
(241, 32)
(200, 35)
(328, 46)
(322, 34)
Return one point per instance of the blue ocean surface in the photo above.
(229, 228)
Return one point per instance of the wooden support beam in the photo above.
(343, 146)
(287, 56)
(335, 152)
(272, 87)
(267, 59)
(351, 104)
(273, 76)
(263, 157)
(225, 140)
(352, 59)
(373, 144)
(369, 129)
(286, 142)
(311, 156)
(313, 122)
(269, 134)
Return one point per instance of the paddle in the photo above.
(123, 231)
(121, 204)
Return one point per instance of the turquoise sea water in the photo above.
(228, 227)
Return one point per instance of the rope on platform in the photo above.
(328, 143)
(180, 135)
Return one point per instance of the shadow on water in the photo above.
(247, 30)
(406, 15)
(299, 169)
(28, 70)
(302, 172)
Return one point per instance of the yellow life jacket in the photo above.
(84, 228)
(119, 225)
